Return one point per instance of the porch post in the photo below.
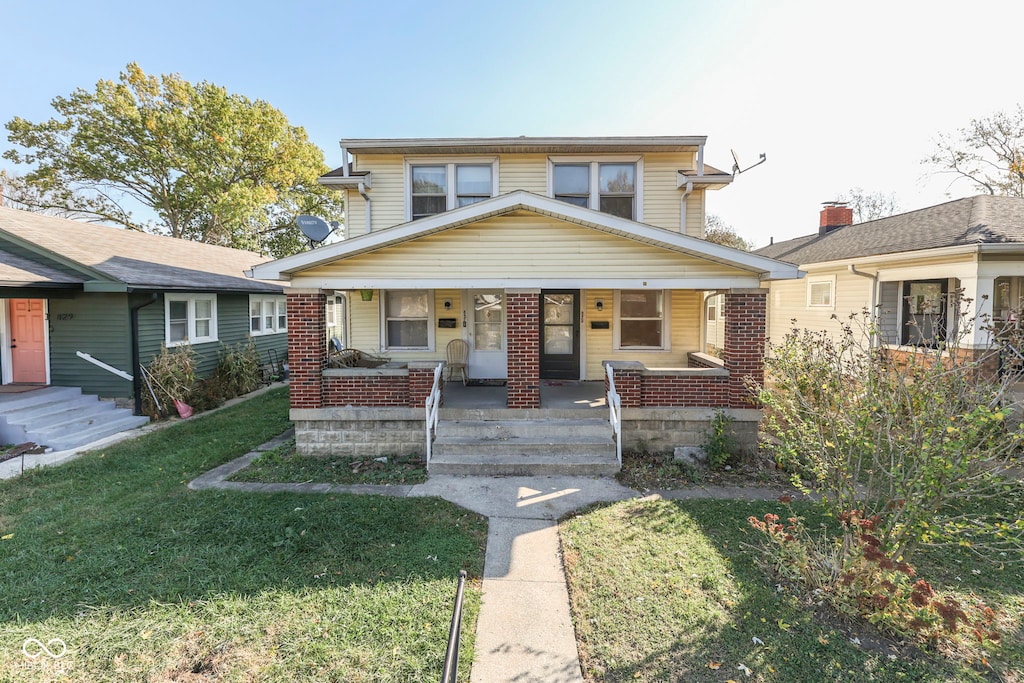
(307, 346)
(745, 315)
(522, 308)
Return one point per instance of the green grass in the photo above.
(662, 589)
(147, 580)
(283, 464)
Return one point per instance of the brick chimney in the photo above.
(834, 215)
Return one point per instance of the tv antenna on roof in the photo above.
(315, 229)
(736, 170)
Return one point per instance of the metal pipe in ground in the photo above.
(451, 656)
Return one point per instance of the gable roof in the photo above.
(76, 252)
(520, 200)
(984, 219)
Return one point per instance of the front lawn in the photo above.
(284, 464)
(670, 591)
(144, 579)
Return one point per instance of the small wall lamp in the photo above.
(600, 305)
(366, 294)
(447, 304)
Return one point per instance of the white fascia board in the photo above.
(347, 181)
(452, 282)
(400, 145)
(719, 179)
(764, 267)
(880, 260)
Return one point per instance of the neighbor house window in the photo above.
(821, 293)
(406, 319)
(439, 187)
(267, 315)
(924, 312)
(190, 318)
(640, 319)
(712, 308)
(610, 187)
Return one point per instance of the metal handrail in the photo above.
(433, 405)
(615, 412)
(451, 655)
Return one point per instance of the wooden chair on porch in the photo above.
(457, 353)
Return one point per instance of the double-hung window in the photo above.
(406, 319)
(607, 186)
(190, 319)
(439, 187)
(640, 319)
(267, 315)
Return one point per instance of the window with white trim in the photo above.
(640, 319)
(438, 187)
(607, 186)
(406, 319)
(190, 319)
(821, 292)
(712, 308)
(267, 315)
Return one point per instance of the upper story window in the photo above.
(190, 319)
(438, 187)
(608, 186)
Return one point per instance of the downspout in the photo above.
(366, 198)
(874, 294)
(682, 207)
(133, 323)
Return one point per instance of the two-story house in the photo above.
(556, 260)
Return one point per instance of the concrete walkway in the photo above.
(524, 631)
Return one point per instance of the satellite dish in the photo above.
(315, 229)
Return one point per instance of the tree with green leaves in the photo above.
(206, 164)
(718, 231)
(988, 153)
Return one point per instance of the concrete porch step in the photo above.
(524, 447)
(61, 418)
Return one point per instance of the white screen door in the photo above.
(485, 332)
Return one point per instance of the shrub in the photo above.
(172, 374)
(720, 443)
(239, 369)
(860, 580)
(906, 441)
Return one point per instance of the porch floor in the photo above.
(554, 394)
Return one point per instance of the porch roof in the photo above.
(750, 268)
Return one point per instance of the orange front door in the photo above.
(28, 341)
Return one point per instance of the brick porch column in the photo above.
(307, 346)
(745, 324)
(421, 381)
(522, 311)
(628, 382)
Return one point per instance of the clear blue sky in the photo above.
(837, 95)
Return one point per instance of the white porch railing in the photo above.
(615, 412)
(433, 405)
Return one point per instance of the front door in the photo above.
(485, 332)
(28, 340)
(560, 334)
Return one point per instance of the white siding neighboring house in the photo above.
(908, 268)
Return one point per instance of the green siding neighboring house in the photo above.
(68, 287)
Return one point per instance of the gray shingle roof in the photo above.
(138, 259)
(18, 271)
(983, 219)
